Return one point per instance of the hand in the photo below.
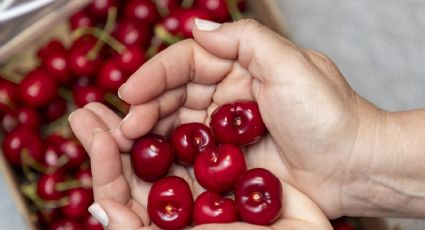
(313, 116)
(122, 196)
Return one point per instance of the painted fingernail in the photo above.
(125, 118)
(206, 25)
(69, 117)
(99, 214)
(120, 91)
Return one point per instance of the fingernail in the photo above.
(206, 25)
(99, 214)
(125, 118)
(94, 132)
(119, 91)
(69, 117)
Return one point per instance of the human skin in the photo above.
(348, 156)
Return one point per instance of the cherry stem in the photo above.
(154, 47)
(65, 94)
(232, 7)
(163, 11)
(116, 102)
(27, 162)
(30, 191)
(60, 125)
(67, 185)
(108, 39)
(165, 36)
(6, 76)
(187, 4)
(109, 26)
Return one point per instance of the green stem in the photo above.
(232, 7)
(116, 102)
(65, 94)
(109, 26)
(187, 4)
(108, 39)
(163, 11)
(67, 185)
(28, 162)
(165, 36)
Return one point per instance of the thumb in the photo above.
(114, 215)
(264, 53)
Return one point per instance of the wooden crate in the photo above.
(265, 11)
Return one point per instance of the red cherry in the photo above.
(218, 169)
(217, 8)
(258, 197)
(55, 109)
(90, 223)
(100, 8)
(24, 117)
(19, 140)
(190, 139)
(210, 208)
(38, 88)
(66, 224)
(341, 225)
(141, 11)
(79, 201)
(56, 64)
(170, 203)
(151, 157)
(110, 77)
(55, 139)
(186, 18)
(80, 19)
(8, 95)
(52, 156)
(53, 46)
(131, 33)
(87, 94)
(46, 186)
(169, 5)
(75, 153)
(130, 60)
(78, 61)
(237, 123)
(84, 176)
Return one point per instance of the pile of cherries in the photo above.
(111, 39)
(219, 166)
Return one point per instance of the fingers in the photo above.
(114, 215)
(183, 62)
(265, 54)
(108, 179)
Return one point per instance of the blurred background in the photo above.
(378, 45)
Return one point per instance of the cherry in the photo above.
(55, 139)
(65, 224)
(79, 201)
(341, 225)
(78, 61)
(100, 8)
(24, 116)
(86, 94)
(170, 203)
(8, 95)
(130, 60)
(218, 169)
(217, 8)
(46, 186)
(52, 156)
(75, 153)
(46, 216)
(84, 176)
(19, 140)
(110, 77)
(53, 46)
(80, 19)
(186, 18)
(151, 157)
(37, 88)
(141, 11)
(56, 64)
(90, 223)
(210, 207)
(168, 5)
(55, 109)
(258, 197)
(237, 123)
(131, 33)
(190, 139)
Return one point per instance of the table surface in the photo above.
(378, 45)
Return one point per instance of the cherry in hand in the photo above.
(218, 169)
(170, 203)
(237, 123)
(151, 157)
(258, 196)
(210, 207)
(190, 139)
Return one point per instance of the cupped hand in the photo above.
(122, 196)
(313, 116)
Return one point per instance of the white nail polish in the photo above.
(99, 214)
(119, 91)
(126, 118)
(69, 117)
(206, 25)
